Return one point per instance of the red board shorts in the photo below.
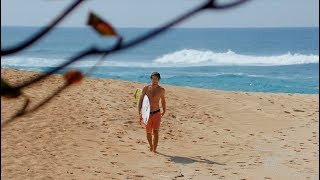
(153, 122)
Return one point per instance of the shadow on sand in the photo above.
(186, 160)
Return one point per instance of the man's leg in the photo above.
(149, 137)
(155, 140)
(149, 131)
(157, 122)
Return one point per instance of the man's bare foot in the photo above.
(151, 149)
(155, 151)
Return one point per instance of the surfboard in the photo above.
(145, 110)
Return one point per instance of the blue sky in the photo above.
(152, 13)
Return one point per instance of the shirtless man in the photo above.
(154, 93)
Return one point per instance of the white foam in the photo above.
(50, 62)
(182, 58)
(191, 57)
(30, 61)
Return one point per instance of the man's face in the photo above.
(154, 80)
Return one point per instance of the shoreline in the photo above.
(280, 93)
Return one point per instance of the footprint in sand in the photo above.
(140, 142)
(114, 162)
(257, 161)
(139, 176)
(272, 102)
(215, 132)
(298, 110)
(69, 172)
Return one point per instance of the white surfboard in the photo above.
(145, 110)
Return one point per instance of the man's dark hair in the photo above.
(155, 74)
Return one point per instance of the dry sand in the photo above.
(91, 131)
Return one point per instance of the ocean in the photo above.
(278, 60)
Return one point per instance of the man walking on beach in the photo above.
(154, 93)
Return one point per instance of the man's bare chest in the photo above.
(153, 93)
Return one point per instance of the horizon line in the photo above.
(137, 27)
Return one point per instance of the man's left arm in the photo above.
(163, 102)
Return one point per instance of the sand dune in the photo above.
(91, 131)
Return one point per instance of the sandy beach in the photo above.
(91, 131)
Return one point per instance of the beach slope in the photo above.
(92, 131)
